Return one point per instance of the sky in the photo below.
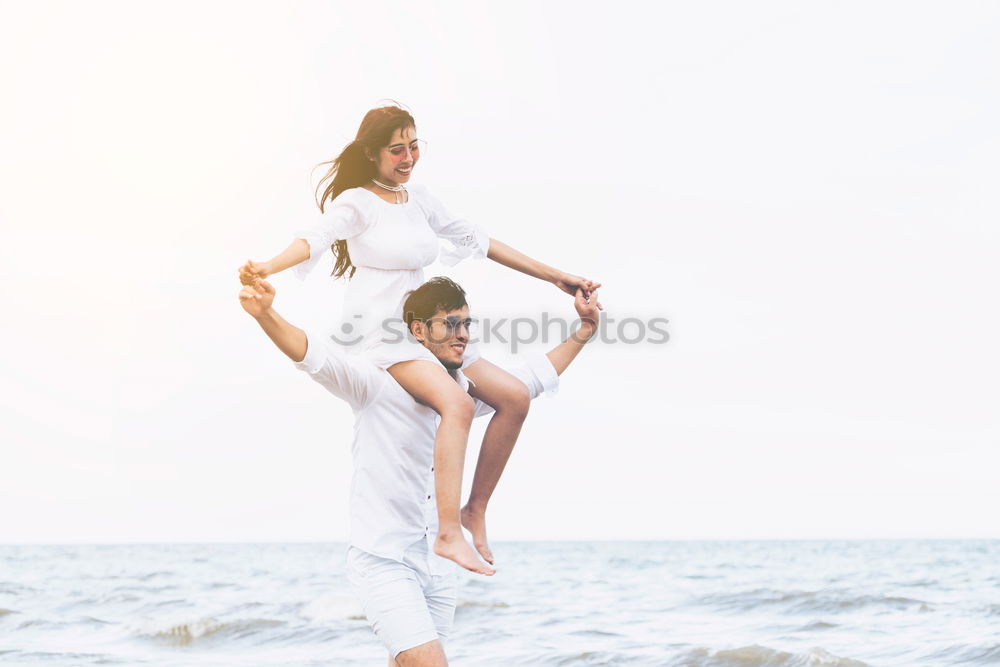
(805, 191)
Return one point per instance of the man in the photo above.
(407, 591)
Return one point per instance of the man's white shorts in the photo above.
(405, 604)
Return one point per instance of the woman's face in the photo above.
(395, 162)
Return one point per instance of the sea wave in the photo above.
(992, 609)
(818, 625)
(968, 655)
(829, 601)
(762, 656)
(14, 588)
(481, 603)
(595, 634)
(331, 608)
(722, 605)
(184, 634)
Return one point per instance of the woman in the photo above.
(382, 235)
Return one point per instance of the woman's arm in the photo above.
(473, 241)
(502, 253)
(297, 252)
(343, 220)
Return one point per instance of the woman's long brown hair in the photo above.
(353, 167)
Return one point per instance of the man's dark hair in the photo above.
(438, 293)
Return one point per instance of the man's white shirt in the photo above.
(392, 500)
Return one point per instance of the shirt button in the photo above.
(428, 497)
(432, 468)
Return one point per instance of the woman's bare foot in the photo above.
(452, 545)
(475, 523)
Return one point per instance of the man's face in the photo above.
(445, 335)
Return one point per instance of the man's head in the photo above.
(437, 315)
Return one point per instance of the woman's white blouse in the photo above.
(390, 244)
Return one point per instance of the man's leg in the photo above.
(430, 654)
(394, 603)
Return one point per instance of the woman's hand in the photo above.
(252, 270)
(569, 283)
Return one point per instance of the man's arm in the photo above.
(540, 372)
(344, 375)
(563, 354)
(258, 299)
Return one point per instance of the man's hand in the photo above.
(252, 270)
(590, 315)
(589, 310)
(257, 298)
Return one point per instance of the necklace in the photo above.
(395, 189)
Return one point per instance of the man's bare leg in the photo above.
(430, 654)
(510, 399)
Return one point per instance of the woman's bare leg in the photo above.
(431, 384)
(510, 399)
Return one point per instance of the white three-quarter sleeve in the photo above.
(467, 239)
(344, 218)
(345, 375)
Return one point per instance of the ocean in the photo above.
(671, 603)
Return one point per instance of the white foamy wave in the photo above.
(798, 601)
(188, 632)
(485, 604)
(332, 607)
(762, 656)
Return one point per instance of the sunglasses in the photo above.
(398, 151)
(453, 322)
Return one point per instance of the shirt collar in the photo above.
(460, 378)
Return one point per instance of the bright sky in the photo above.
(807, 191)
